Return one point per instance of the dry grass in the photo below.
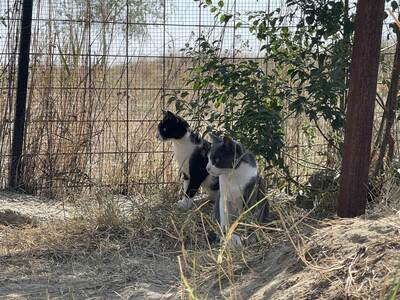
(298, 257)
(112, 246)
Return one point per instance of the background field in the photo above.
(97, 86)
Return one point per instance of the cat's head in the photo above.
(171, 127)
(224, 155)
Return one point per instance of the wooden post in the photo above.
(390, 110)
(20, 102)
(360, 112)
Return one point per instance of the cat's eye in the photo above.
(217, 159)
(164, 129)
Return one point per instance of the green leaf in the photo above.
(225, 18)
(171, 99)
(394, 5)
(315, 56)
(184, 94)
(238, 25)
(209, 2)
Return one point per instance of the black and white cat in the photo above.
(191, 154)
(239, 182)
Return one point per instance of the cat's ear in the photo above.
(215, 138)
(167, 114)
(232, 146)
(177, 118)
(228, 143)
(227, 140)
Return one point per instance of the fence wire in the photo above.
(99, 73)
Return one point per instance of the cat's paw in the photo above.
(185, 204)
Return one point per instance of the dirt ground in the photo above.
(29, 272)
(101, 277)
(346, 259)
(354, 258)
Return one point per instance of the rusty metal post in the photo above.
(20, 102)
(360, 112)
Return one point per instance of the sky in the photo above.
(184, 20)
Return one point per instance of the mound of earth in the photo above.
(36, 207)
(10, 217)
(345, 259)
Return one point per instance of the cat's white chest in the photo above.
(183, 149)
(230, 188)
(232, 185)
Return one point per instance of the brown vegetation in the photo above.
(120, 247)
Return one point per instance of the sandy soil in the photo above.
(29, 272)
(346, 259)
(101, 277)
(33, 206)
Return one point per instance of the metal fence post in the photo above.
(20, 102)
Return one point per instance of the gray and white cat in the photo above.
(239, 182)
(191, 155)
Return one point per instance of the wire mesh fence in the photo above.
(99, 74)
